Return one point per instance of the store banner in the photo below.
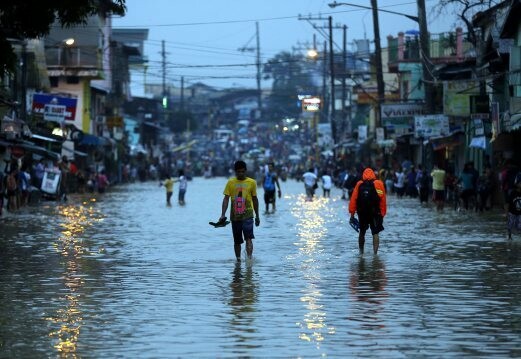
(400, 115)
(54, 108)
(431, 126)
(457, 97)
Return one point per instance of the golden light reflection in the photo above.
(69, 318)
(311, 231)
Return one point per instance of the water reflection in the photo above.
(311, 231)
(243, 304)
(367, 283)
(70, 244)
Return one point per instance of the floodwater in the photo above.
(124, 276)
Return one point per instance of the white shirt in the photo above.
(182, 183)
(400, 180)
(327, 181)
(309, 179)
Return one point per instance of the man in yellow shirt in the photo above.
(243, 192)
(169, 185)
(438, 187)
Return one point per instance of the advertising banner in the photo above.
(400, 115)
(431, 126)
(54, 108)
(456, 97)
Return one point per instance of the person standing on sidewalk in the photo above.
(243, 193)
(369, 201)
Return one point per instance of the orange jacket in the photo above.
(378, 185)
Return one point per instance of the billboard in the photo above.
(431, 126)
(54, 108)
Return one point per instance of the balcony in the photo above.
(84, 61)
(444, 47)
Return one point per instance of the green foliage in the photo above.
(33, 18)
(290, 78)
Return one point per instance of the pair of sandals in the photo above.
(221, 223)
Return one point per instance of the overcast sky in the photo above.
(210, 32)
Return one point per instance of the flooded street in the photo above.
(122, 275)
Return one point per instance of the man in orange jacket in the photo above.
(369, 201)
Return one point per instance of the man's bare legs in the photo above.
(361, 242)
(376, 243)
(237, 249)
(249, 248)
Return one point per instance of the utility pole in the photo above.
(164, 99)
(23, 109)
(259, 91)
(324, 83)
(182, 106)
(332, 75)
(378, 62)
(163, 63)
(425, 57)
(344, 90)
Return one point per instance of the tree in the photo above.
(290, 78)
(465, 10)
(29, 19)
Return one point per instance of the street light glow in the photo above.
(69, 41)
(312, 53)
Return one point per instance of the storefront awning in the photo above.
(92, 140)
(44, 138)
(454, 139)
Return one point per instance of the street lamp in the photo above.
(378, 51)
(335, 4)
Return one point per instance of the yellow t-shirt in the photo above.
(169, 184)
(241, 193)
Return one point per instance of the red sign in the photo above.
(41, 101)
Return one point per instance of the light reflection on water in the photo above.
(122, 275)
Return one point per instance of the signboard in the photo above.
(456, 97)
(311, 104)
(51, 181)
(44, 104)
(400, 115)
(362, 133)
(115, 121)
(380, 135)
(398, 110)
(54, 113)
(431, 126)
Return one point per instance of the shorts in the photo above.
(438, 195)
(514, 223)
(375, 222)
(269, 196)
(242, 230)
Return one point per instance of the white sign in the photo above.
(51, 181)
(431, 126)
(478, 127)
(380, 136)
(362, 133)
(398, 110)
(311, 104)
(54, 113)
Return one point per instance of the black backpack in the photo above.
(368, 201)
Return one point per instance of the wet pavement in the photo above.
(123, 275)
